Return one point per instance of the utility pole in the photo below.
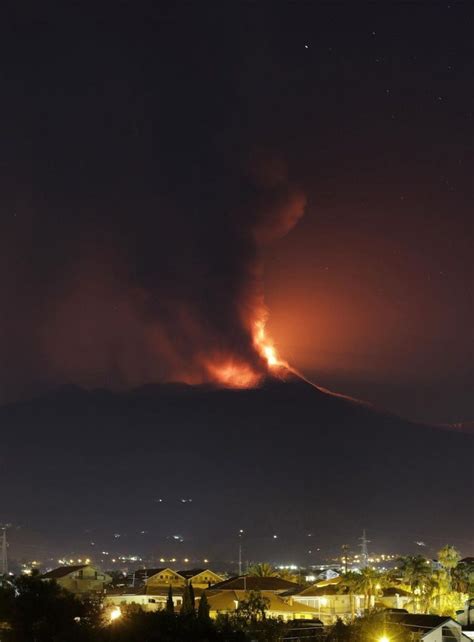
(241, 532)
(4, 566)
(363, 549)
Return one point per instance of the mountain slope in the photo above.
(287, 459)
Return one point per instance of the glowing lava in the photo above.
(266, 348)
(233, 372)
(234, 375)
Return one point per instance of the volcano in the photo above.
(296, 466)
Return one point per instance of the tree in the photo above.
(449, 600)
(369, 584)
(203, 609)
(350, 583)
(192, 597)
(415, 571)
(449, 558)
(289, 575)
(40, 610)
(187, 607)
(169, 600)
(262, 570)
(253, 608)
(462, 578)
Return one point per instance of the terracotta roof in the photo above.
(254, 583)
(142, 574)
(191, 572)
(330, 589)
(62, 571)
(226, 601)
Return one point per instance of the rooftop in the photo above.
(62, 571)
(253, 583)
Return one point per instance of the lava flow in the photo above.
(236, 373)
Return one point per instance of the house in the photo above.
(330, 601)
(83, 579)
(254, 583)
(201, 577)
(228, 600)
(394, 597)
(156, 578)
(430, 628)
(466, 617)
(146, 601)
(120, 599)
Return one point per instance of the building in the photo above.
(394, 597)
(145, 600)
(275, 585)
(466, 618)
(81, 580)
(201, 577)
(334, 601)
(228, 600)
(430, 628)
(330, 602)
(152, 579)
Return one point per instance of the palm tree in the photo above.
(369, 584)
(449, 558)
(262, 570)
(350, 584)
(288, 575)
(416, 573)
(462, 577)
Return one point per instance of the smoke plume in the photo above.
(129, 292)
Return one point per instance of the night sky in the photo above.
(174, 176)
(151, 157)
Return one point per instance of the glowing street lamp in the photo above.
(384, 638)
(115, 614)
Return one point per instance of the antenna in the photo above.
(4, 561)
(363, 549)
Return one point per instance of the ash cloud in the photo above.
(136, 289)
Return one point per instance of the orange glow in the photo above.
(234, 375)
(233, 372)
(266, 347)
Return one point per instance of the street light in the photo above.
(384, 638)
(115, 614)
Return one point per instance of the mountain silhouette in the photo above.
(286, 459)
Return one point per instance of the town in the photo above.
(385, 596)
